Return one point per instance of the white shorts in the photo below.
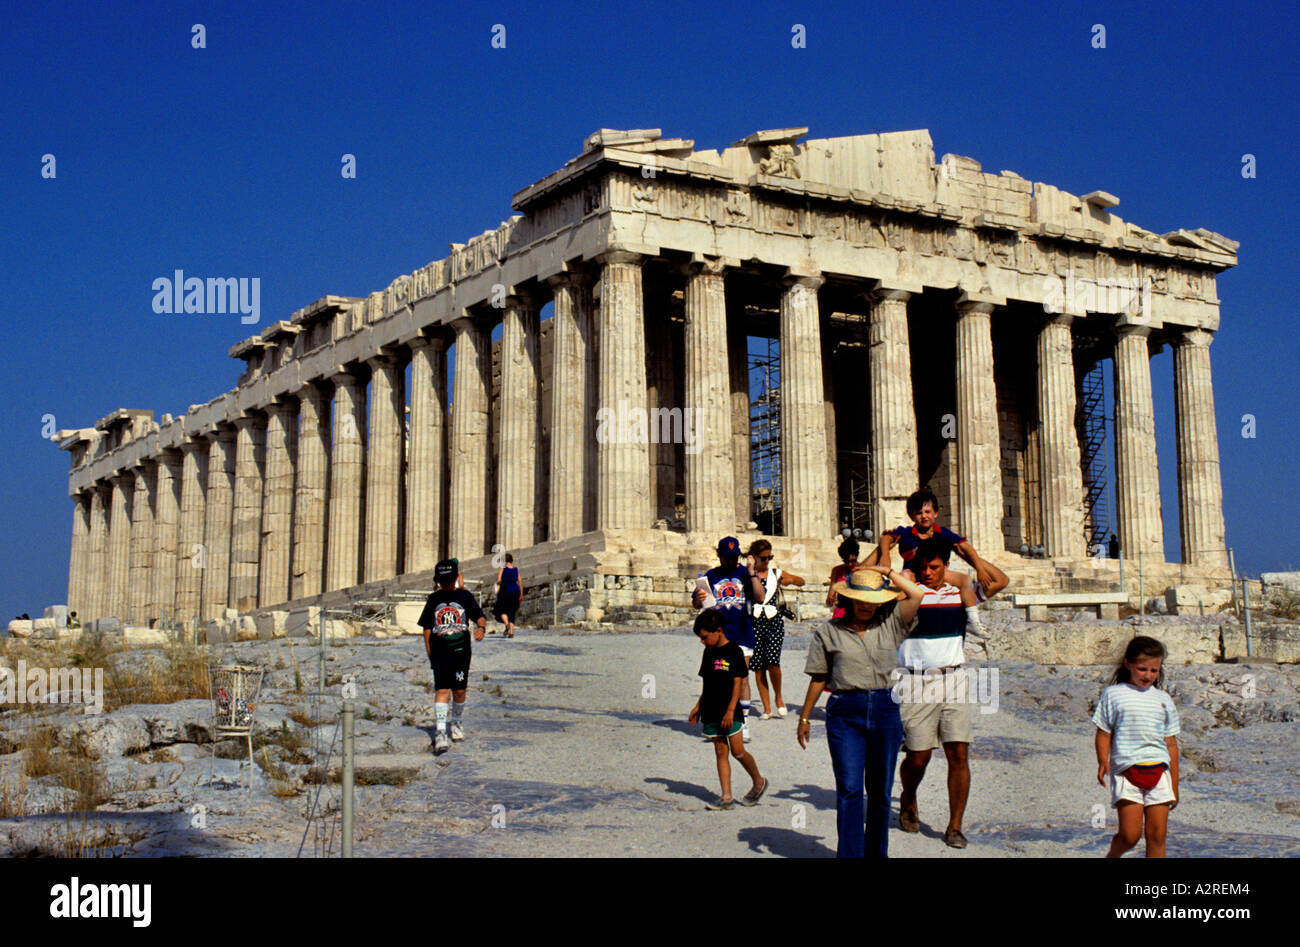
(1121, 790)
(747, 652)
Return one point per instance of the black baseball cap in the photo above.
(446, 571)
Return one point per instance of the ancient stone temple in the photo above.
(935, 325)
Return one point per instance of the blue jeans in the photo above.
(865, 734)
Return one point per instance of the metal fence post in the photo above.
(348, 763)
(1232, 567)
(1142, 597)
(1245, 604)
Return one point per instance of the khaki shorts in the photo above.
(937, 712)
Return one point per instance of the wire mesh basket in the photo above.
(234, 691)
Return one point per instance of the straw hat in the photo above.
(866, 585)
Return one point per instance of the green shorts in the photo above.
(715, 729)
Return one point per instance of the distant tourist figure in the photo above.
(730, 588)
(1137, 748)
(935, 651)
(508, 593)
(769, 624)
(73, 620)
(723, 670)
(446, 620)
(1112, 547)
(848, 551)
(858, 655)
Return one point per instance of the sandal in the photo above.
(719, 804)
(954, 839)
(752, 797)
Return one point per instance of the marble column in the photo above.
(140, 568)
(347, 480)
(217, 518)
(520, 424)
(246, 519)
(276, 549)
(1200, 490)
(711, 498)
(119, 546)
(804, 469)
(1060, 474)
(893, 463)
(79, 554)
(384, 446)
(427, 453)
(572, 406)
(97, 554)
(622, 450)
(190, 555)
(1137, 476)
(311, 494)
(166, 526)
(742, 475)
(668, 425)
(979, 474)
(467, 526)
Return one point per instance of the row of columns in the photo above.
(315, 493)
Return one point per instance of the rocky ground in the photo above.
(578, 745)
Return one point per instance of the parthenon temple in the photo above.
(577, 387)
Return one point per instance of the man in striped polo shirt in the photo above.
(935, 709)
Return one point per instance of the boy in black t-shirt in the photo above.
(723, 670)
(446, 619)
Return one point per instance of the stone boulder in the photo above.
(1286, 581)
(21, 628)
(245, 629)
(104, 626)
(301, 622)
(271, 625)
(139, 637)
(186, 721)
(407, 617)
(59, 613)
(1196, 600)
(100, 737)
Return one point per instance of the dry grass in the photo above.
(13, 791)
(131, 676)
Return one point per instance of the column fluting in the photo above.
(804, 470)
(1200, 489)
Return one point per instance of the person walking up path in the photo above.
(446, 619)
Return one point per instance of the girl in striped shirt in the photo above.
(1137, 748)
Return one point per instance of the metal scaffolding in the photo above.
(765, 432)
(1090, 420)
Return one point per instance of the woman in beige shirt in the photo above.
(857, 656)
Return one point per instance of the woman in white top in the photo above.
(769, 624)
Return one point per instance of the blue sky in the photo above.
(226, 160)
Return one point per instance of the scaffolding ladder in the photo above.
(1091, 423)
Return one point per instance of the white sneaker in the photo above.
(440, 743)
(744, 732)
(457, 733)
